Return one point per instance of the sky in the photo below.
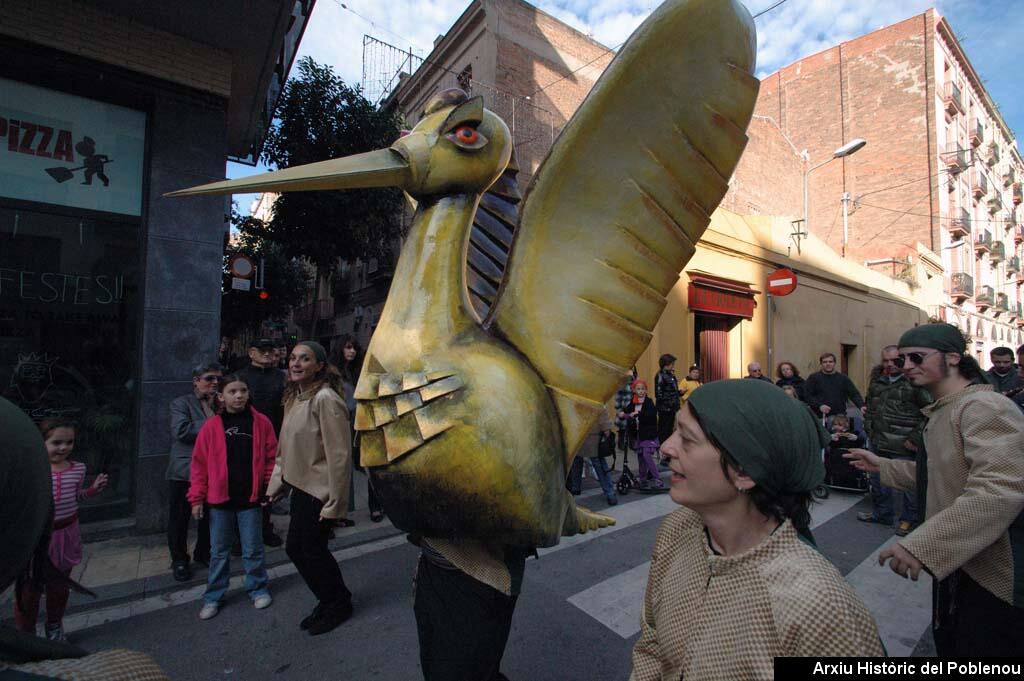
(987, 29)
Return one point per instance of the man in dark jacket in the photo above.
(895, 424)
(188, 414)
(266, 388)
(1003, 374)
(828, 390)
(754, 371)
(666, 395)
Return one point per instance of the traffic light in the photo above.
(264, 295)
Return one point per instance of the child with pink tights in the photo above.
(68, 485)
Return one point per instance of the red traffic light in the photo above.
(264, 295)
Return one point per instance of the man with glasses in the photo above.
(266, 387)
(972, 539)
(188, 413)
(754, 371)
(895, 424)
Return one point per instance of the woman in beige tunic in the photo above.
(735, 580)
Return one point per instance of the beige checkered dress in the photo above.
(109, 665)
(975, 444)
(725, 617)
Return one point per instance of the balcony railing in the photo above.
(992, 153)
(983, 241)
(975, 132)
(995, 202)
(1009, 176)
(960, 226)
(985, 298)
(953, 99)
(961, 286)
(979, 183)
(1013, 266)
(1018, 193)
(955, 157)
(998, 253)
(1002, 303)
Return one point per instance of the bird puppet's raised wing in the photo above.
(616, 209)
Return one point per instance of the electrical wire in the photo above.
(769, 9)
(835, 217)
(376, 25)
(926, 215)
(616, 48)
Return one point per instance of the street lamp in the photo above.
(851, 147)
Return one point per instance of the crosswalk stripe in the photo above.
(616, 602)
(901, 607)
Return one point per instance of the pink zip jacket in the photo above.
(209, 475)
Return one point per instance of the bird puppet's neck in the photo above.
(428, 303)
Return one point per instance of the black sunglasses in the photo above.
(915, 357)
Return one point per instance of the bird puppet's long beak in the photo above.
(382, 168)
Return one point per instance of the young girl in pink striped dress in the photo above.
(68, 479)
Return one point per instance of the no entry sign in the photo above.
(781, 282)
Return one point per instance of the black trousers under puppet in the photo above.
(463, 625)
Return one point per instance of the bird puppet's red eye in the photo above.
(466, 134)
(467, 137)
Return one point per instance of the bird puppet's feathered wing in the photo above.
(617, 207)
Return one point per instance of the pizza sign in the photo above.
(59, 148)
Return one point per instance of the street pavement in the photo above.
(578, 616)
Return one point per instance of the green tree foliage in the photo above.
(286, 280)
(318, 118)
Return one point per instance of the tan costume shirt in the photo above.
(109, 665)
(314, 450)
(725, 617)
(975, 444)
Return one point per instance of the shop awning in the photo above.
(716, 295)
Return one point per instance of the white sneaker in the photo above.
(209, 611)
(262, 601)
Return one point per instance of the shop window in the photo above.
(69, 302)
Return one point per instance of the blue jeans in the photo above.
(222, 536)
(882, 499)
(600, 469)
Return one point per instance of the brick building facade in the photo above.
(940, 173)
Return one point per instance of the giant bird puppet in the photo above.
(483, 376)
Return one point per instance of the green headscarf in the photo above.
(773, 437)
(938, 336)
(318, 350)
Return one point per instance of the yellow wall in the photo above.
(836, 302)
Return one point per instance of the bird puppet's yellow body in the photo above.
(469, 413)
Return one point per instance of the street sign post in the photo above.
(781, 282)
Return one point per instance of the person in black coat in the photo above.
(788, 374)
(828, 390)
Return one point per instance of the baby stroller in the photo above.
(840, 474)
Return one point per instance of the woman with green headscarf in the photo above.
(733, 583)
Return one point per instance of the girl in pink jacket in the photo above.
(232, 462)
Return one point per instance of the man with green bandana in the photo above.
(732, 584)
(972, 539)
